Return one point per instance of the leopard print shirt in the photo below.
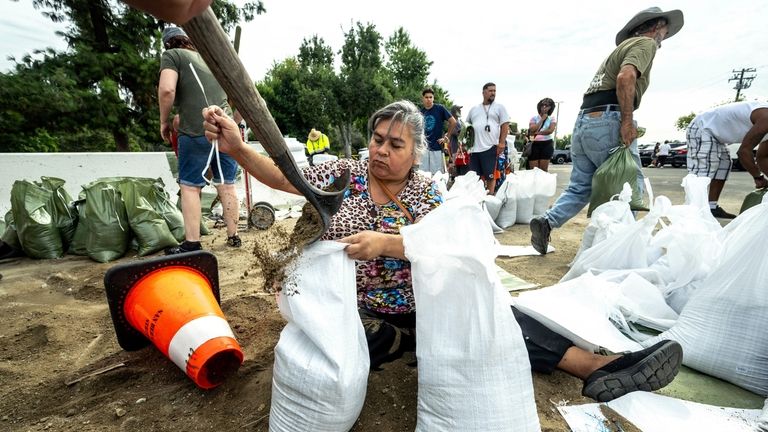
(383, 284)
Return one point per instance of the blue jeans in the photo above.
(592, 138)
(193, 156)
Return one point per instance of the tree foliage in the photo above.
(99, 93)
(682, 123)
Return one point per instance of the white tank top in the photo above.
(729, 123)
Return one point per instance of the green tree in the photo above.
(105, 82)
(683, 122)
(363, 84)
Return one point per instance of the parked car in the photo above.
(561, 156)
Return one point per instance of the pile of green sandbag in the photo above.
(111, 216)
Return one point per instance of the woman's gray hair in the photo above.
(409, 115)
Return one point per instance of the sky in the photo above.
(531, 50)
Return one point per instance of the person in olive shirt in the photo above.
(179, 86)
(606, 117)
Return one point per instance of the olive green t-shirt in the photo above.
(635, 51)
(189, 97)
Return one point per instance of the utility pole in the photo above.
(742, 82)
(557, 119)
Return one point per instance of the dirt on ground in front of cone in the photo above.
(57, 338)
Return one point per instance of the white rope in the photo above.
(214, 143)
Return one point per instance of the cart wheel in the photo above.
(262, 215)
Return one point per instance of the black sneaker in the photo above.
(234, 241)
(646, 370)
(185, 246)
(718, 212)
(540, 231)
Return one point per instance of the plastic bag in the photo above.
(474, 373)
(619, 168)
(10, 236)
(321, 365)
(34, 218)
(628, 248)
(722, 328)
(607, 220)
(507, 193)
(107, 229)
(77, 246)
(168, 211)
(544, 187)
(752, 199)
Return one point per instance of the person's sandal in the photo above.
(234, 241)
(647, 370)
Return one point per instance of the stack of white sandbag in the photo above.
(474, 372)
(525, 195)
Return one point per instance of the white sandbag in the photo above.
(762, 421)
(525, 197)
(492, 205)
(628, 248)
(473, 367)
(722, 329)
(544, 187)
(321, 365)
(507, 193)
(583, 310)
(468, 184)
(606, 220)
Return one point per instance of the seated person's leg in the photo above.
(388, 336)
(605, 377)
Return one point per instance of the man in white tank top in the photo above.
(708, 136)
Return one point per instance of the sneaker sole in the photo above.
(536, 226)
(652, 373)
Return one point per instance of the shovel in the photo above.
(214, 46)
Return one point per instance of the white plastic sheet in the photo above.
(655, 413)
(321, 360)
(474, 372)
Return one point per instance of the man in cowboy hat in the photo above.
(317, 142)
(606, 113)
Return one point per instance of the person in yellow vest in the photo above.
(317, 143)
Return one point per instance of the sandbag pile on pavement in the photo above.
(111, 216)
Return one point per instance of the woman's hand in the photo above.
(218, 126)
(367, 245)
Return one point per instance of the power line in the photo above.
(742, 82)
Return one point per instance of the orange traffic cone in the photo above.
(173, 301)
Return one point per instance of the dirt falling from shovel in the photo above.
(275, 265)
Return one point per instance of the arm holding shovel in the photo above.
(218, 126)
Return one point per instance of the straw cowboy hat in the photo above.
(314, 135)
(674, 22)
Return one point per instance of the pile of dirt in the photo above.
(57, 330)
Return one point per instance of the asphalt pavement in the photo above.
(666, 181)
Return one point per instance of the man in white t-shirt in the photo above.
(710, 133)
(490, 122)
(662, 154)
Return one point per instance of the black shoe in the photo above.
(540, 231)
(234, 241)
(718, 212)
(646, 370)
(185, 246)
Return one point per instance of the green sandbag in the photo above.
(150, 228)
(64, 210)
(77, 246)
(35, 222)
(108, 231)
(10, 236)
(609, 179)
(752, 199)
(2, 227)
(172, 215)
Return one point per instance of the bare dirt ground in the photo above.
(57, 328)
